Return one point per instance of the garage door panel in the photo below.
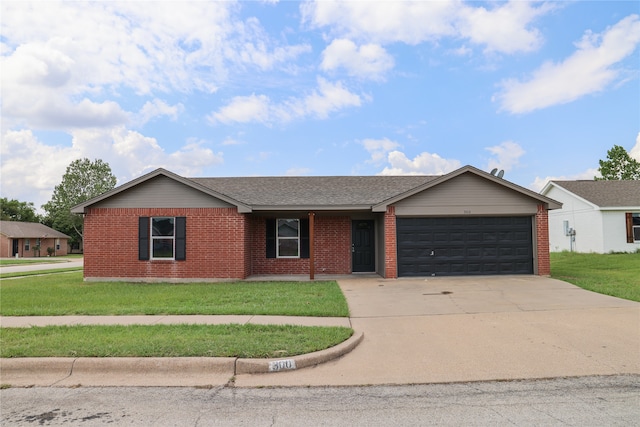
(464, 246)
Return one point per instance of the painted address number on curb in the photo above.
(281, 365)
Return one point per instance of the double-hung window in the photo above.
(288, 238)
(162, 238)
(27, 245)
(163, 233)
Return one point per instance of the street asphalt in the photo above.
(407, 331)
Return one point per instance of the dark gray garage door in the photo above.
(464, 246)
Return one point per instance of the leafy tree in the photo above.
(82, 181)
(15, 210)
(619, 166)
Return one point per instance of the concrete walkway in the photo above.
(407, 331)
(53, 264)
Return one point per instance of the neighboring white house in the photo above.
(596, 216)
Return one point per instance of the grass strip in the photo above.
(67, 294)
(617, 275)
(232, 340)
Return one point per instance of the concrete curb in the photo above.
(263, 366)
(153, 371)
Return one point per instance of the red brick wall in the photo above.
(542, 236)
(390, 247)
(332, 249)
(6, 247)
(215, 244)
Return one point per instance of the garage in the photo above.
(454, 246)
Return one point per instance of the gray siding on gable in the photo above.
(162, 192)
(467, 194)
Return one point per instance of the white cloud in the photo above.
(158, 108)
(62, 59)
(384, 22)
(506, 155)
(379, 149)
(588, 70)
(255, 49)
(368, 61)
(129, 154)
(243, 109)
(502, 28)
(327, 98)
(423, 164)
(384, 151)
(30, 169)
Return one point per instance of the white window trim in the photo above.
(152, 238)
(278, 238)
(27, 245)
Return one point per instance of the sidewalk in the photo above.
(47, 264)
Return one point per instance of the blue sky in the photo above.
(539, 89)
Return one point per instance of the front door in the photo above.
(15, 248)
(363, 251)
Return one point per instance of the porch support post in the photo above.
(312, 260)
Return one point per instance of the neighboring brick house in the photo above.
(596, 216)
(165, 227)
(31, 239)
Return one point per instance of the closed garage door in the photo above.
(464, 246)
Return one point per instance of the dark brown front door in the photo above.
(362, 246)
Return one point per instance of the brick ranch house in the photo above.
(165, 227)
(31, 239)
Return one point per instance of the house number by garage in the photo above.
(282, 365)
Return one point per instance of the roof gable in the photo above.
(602, 194)
(145, 179)
(550, 203)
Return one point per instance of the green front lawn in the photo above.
(610, 274)
(67, 294)
(260, 341)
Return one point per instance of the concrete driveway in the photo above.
(475, 328)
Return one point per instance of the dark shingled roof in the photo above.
(313, 190)
(605, 193)
(29, 230)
